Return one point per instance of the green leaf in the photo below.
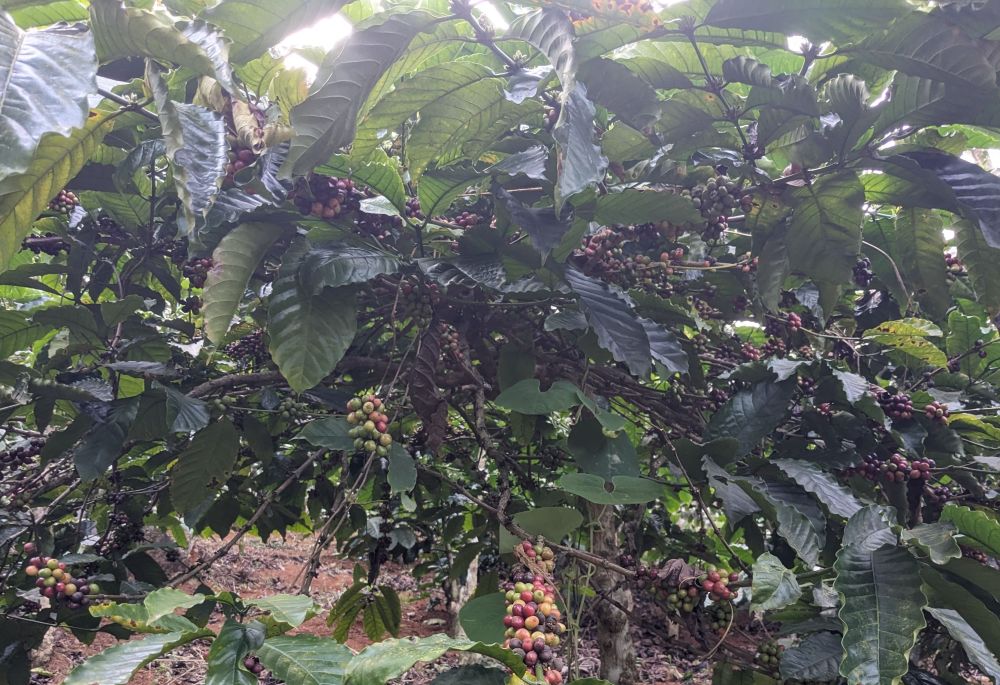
(837, 498)
(545, 228)
(816, 657)
(308, 333)
(909, 336)
(827, 212)
(526, 397)
(18, 332)
(383, 661)
(195, 141)
(482, 618)
(338, 265)
(51, 12)
(609, 312)
(530, 162)
(750, 415)
(881, 615)
(330, 432)
(379, 172)
(981, 260)
(594, 452)
(551, 31)
(479, 675)
(57, 159)
(437, 190)
(815, 19)
(963, 332)
(121, 31)
(233, 263)
(305, 659)
(402, 473)
(325, 121)
(581, 164)
(45, 78)
(920, 241)
(869, 529)
(976, 524)
(615, 87)
(943, 593)
(464, 124)
(431, 92)
(937, 539)
(205, 464)
(292, 610)
(117, 664)
(976, 189)
(225, 658)
(552, 523)
(646, 206)
(774, 586)
(253, 26)
(620, 490)
(975, 648)
(104, 442)
(929, 47)
(799, 519)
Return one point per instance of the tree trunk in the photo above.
(618, 662)
(460, 591)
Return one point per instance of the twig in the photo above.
(264, 505)
(130, 105)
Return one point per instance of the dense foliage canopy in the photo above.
(697, 300)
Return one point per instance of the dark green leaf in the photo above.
(609, 312)
(204, 465)
(751, 415)
(383, 661)
(325, 121)
(815, 19)
(117, 664)
(816, 657)
(233, 263)
(308, 333)
(332, 267)
(402, 474)
(482, 618)
(620, 490)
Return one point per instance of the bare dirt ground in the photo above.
(256, 569)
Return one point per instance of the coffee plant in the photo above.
(674, 318)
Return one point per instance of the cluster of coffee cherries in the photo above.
(196, 271)
(21, 454)
(895, 405)
(64, 202)
(412, 209)
(716, 200)
(863, 274)
(451, 341)
(417, 299)
(49, 243)
(239, 159)
(468, 219)
(936, 412)
(532, 623)
(329, 197)
(720, 615)
(250, 349)
(370, 427)
(954, 266)
(290, 409)
(896, 468)
(56, 582)
(769, 656)
(252, 664)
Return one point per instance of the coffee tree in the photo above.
(683, 315)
